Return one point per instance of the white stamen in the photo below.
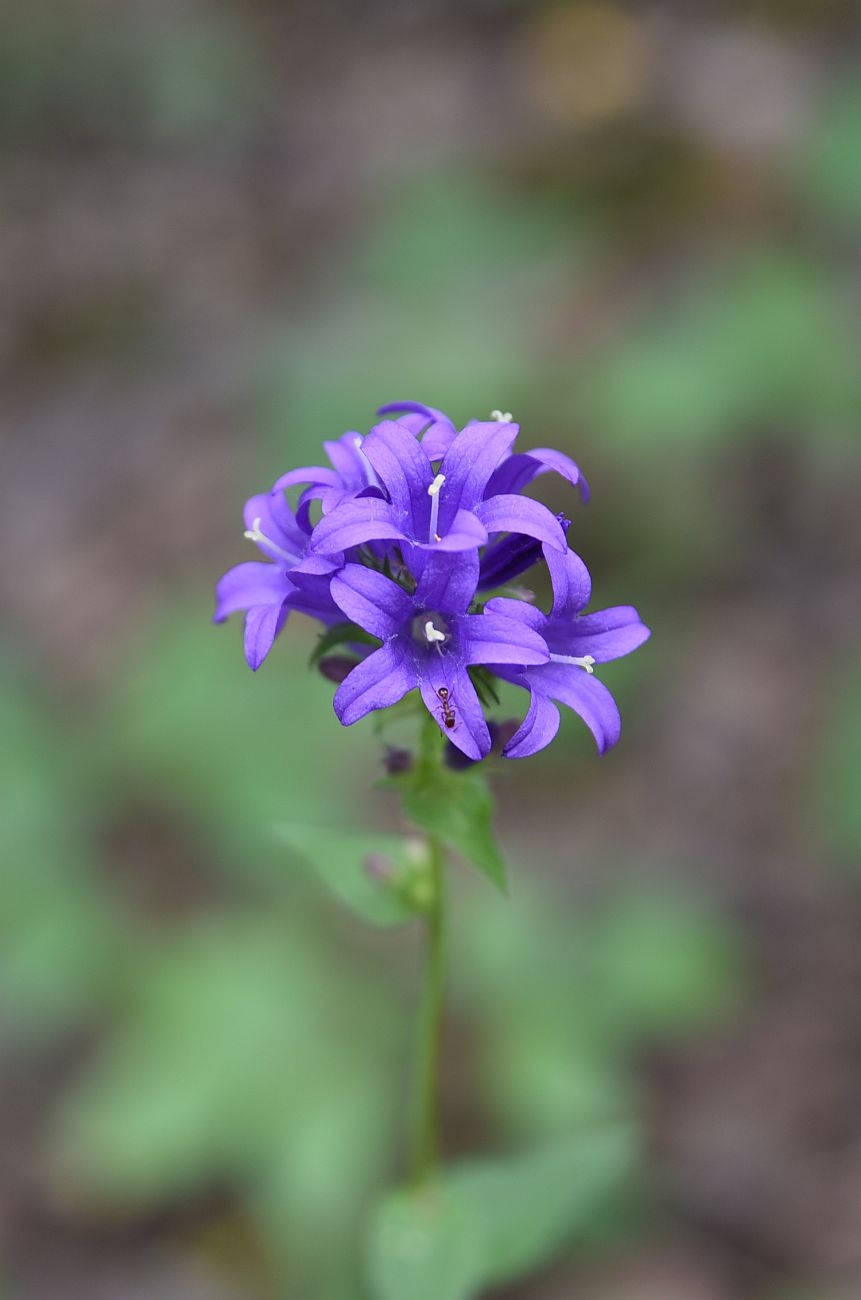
(433, 493)
(432, 633)
(580, 661)
(504, 416)
(254, 535)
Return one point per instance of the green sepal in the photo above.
(342, 861)
(483, 682)
(339, 634)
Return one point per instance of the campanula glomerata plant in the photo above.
(419, 524)
(409, 547)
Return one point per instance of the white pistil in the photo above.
(505, 417)
(579, 661)
(432, 633)
(370, 473)
(433, 493)
(254, 535)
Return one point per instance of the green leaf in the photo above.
(424, 1245)
(342, 859)
(486, 1223)
(530, 1206)
(250, 1050)
(241, 752)
(767, 343)
(64, 937)
(455, 807)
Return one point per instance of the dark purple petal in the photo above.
(246, 585)
(377, 682)
(513, 514)
(606, 635)
(492, 638)
(469, 463)
(518, 470)
(335, 668)
(519, 609)
(506, 559)
(371, 599)
(448, 582)
(584, 694)
(470, 732)
(262, 625)
(363, 519)
(405, 472)
(572, 585)
(536, 731)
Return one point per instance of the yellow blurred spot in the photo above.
(587, 63)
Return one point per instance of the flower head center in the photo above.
(254, 534)
(433, 493)
(430, 629)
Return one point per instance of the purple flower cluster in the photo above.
(417, 525)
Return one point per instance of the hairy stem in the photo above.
(425, 1144)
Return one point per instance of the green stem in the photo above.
(425, 1143)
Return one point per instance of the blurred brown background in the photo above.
(230, 230)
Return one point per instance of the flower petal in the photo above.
(519, 469)
(246, 585)
(608, 634)
(466, 533)
(572, 585)
(438, 435)
(584, 694)
(469, 463)
(448, 582)
(531, 615)
(314, 566)
(271, 513)
(470, 731)
(417, 408)
(363, 519)
(405, 473)
(262, 625)
(437, 439)
(371, 599)
(344, 454)
(316, 474)
(513, 514)
(491, 638)
(506, 559)
(536, 731)
(378, 681)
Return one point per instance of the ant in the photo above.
(448, 714)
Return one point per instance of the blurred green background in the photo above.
(227, 231)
